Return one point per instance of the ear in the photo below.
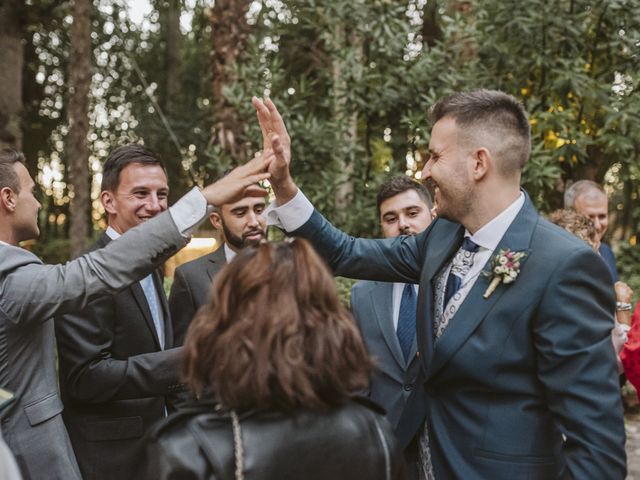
(8, 199)
(482, 161)
(216, 220)
(108, 201)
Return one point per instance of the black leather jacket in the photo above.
(353, 442)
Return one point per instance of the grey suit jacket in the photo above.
(522, 384)
(31, 293)
(191, 290)
(392, 380)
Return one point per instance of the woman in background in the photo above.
(275, 358)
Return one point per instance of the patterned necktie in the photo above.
(462, 262)
(150, 293)
(406, 331)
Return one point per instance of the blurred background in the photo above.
(353, 78)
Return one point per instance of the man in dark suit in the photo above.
(386, 312)
(31, 293)
(518, 372)
(242, 223)
(117, 364)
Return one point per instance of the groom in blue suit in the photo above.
(518, 376)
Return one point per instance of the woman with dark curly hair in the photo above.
(275, 359)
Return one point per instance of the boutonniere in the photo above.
(505, 267)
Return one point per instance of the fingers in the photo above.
(277, 123)
(255, 191)
(264, 120)
(276, 144)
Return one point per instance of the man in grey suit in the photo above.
(386, 312)
(519, 376)
(31, 293)
(242, 223)
(117, 364)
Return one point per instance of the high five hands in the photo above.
(275, 139)
(272, 164)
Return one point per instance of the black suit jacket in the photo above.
(191, 290)
(114, 378)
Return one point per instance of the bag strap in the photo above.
(238, 451)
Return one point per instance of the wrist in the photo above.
(623, 307)
(285, 190)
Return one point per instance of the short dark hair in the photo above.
(8, 176)
(398, 184)
(123, 156)
(493, 112)
(275, 335)
(580, 188)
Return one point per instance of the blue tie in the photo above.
(406, 331)
(462, 262)
(150, 293)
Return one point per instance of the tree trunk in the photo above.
(170, 92)
(170, 24)
(229, 35)
(78, 150)
(11, 65)
(348, 133)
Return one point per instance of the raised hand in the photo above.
(275, 138)
(241, 182)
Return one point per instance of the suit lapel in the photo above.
(475, 307)
(216, 261)
(141, 299)
(382, 301)
(435, 259)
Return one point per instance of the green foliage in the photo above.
(628, 262)
(354, 80)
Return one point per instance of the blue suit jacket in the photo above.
(514, 372)
(393, 380)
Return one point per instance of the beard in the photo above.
(455, 202)
(239, 242)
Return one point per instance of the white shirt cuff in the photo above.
(188, 212)
(292, 215)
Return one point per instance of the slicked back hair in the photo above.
(580, 188)
(122, 156)
(493, 114)
(8, 176)
(399, 184)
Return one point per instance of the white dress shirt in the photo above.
(487, 239)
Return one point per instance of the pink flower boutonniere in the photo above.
(505, 267)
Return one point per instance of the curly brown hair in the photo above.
(275, 335)
(578, 224)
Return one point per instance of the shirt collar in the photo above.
(111, 233)
(228, 253)
(490, 235)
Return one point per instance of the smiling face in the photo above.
(404, 214)
(25, 224)
(141, 194)
(595, 206)
(448, 171)
(242, 222)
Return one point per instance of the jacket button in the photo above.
(409, 386)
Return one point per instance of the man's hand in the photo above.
(241, 182)
(624, 294)
(275, 138)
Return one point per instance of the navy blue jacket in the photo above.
(514, 372)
